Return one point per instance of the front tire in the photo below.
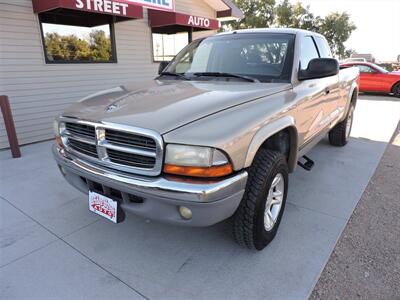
(340, 134)
(256, 221)
(396, 90)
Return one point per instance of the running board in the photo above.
(308, 164)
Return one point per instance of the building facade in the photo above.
(55, 52)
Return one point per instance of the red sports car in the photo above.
(374, 78)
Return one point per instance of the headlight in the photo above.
(196, 161)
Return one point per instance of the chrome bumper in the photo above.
(210, 202)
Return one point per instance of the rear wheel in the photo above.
(396, 90)
(256, 221)
(340, 134)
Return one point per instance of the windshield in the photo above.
(265, 57)
(380, 69)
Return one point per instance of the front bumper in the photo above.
(210, 202)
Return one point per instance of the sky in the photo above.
(377, 21)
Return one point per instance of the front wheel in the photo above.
(256, 221)
(340, 134)
(396, 90)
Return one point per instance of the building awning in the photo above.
(226, 10)
(93, 11)
(172, 22)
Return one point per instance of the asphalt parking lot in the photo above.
(53, 247)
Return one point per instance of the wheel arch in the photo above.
(393, 86)
(352, 99)
(354, 95)
(280, 135)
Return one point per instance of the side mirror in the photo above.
(162, 66)
(320, 68)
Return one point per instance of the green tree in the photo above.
(296, 16)
(97, 47)
(336, 27)
(258, 14)
(67, 47)
(100, 45)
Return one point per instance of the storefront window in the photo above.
(166, 46)
(78, 44)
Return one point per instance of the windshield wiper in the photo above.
(174, 74)
(221, 74)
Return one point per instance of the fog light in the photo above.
(185, 212)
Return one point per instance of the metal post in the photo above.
(10, 128)
(190, 35)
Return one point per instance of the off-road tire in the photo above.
(248, 220)
(396, 90)
(338, 136)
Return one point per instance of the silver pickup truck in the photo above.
(214, 136)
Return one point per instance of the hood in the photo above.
(165, 105)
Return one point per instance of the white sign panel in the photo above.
(156, 4)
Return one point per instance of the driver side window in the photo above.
(365, 69)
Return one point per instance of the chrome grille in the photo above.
(123, 148)
(129, 139)
(131, 159)
(87, 149)
(81, 130)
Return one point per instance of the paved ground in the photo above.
(366, 261)
(52, 247)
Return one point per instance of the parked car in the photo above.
(374, 78)
(214, 136)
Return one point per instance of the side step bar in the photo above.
(308, 164)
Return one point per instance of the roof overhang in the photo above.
(121, 10)
(226, 10)
(172, 22)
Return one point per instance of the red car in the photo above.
(374, 78)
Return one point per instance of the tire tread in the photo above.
(244, 218)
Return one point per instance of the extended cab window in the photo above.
(308, 51)
(266, 57)
(323, 47)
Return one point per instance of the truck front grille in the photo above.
(84, 148)
(81, 130)
(129, 139)
(126, 149)
(133, 160)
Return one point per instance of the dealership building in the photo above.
(55, 52)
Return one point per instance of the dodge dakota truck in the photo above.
(214, 136)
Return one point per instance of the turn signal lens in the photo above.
(59, 142)
(57, 129)
(204, 172)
